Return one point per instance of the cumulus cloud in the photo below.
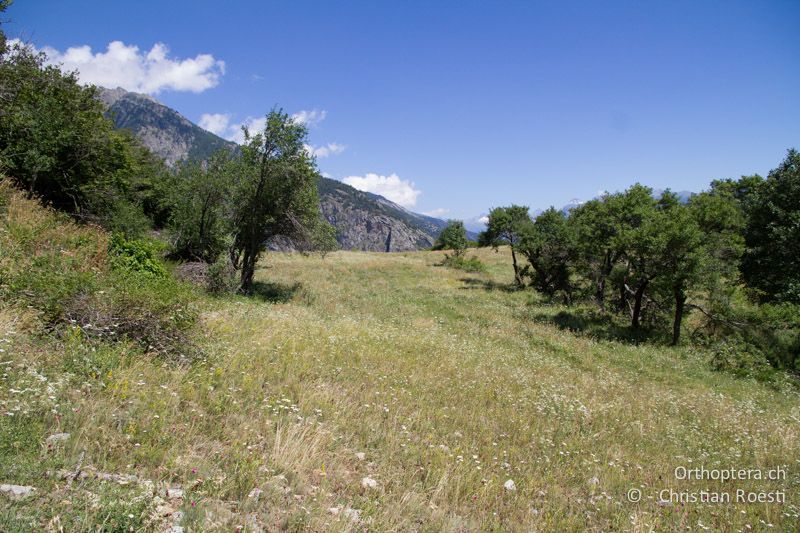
(133, 69)
(216, 123)
(220, 124)
(324, 151)
(254, 125)
(397, 190)
(484, 219)
(437, 213)
(310, 118)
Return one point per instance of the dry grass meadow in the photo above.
(374, 392)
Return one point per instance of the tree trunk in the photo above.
(680, 301)
(600, 294)
(637, 305)
(605, 270)
(623, 296)
(517, 277)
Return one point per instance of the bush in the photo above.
(221, 277)
(740, 358)
(140, 256)
(468, 264)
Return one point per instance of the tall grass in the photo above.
(435, 383)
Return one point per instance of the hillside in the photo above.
(363, 221)
(363, 391)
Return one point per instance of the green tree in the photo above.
(504, 228)
(597, 225)
(548, 245)
(453, 237)
(56, 144)
(198, 217)
(638, 238)
(770, 263)
(274, 192)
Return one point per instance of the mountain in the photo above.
(163, 130)
(363, 221)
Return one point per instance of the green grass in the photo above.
(446, 381)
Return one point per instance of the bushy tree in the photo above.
(548, 245)
(274, 192)
(597, 246)
(56, 144)
(505, 227)
(198, 218)
(770, 263)
(453, 237)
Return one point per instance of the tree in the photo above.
(274, 192)
(638, 238)
(504, 228)
(772, 236)
(56, 144)
(548, 245)
(197, 222)
(597, 225)
(453, 237)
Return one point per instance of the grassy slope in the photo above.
(446, 385)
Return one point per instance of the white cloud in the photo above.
(254, 125)
(484, 219)
(397, 190)
(324, 151)
(216, 123)
(129, 67)
(437, 213)
(310, 118)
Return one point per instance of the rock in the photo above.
(594, 481)
(352, 514)
(255, 494)
(369, 483)
(361, 456)
(57, 437)
(17, 492)
(510, 485)
(174, 494)
(334, 510)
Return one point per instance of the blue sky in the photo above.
(477, 104)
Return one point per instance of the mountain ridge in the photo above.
(364, 221)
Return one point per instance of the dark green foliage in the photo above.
(453, 237)
(198, 217)
(56, 144)
(770, 264)
(505, 227)
(548, 245)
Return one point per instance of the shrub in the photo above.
(221, 277)
(740, 358)
(140, 256)
(468, 264)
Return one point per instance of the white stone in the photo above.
(369, 483)
(173, 494)
(255, 493)
(361, 456)
(352, 514)
(333, 510)
(510, 485)
(58, 437)
(17, 492)
(594, 481)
